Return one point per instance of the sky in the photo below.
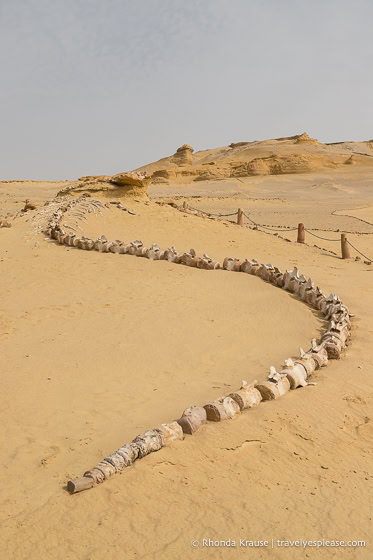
(93, 87)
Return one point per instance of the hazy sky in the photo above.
(103, 86)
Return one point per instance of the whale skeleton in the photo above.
(293, 374)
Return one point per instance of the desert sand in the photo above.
(97, 348)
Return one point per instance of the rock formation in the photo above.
(95, 178)
(279, 156)
(131, 179)
(131, 184)
(183, 155)
(302, 138)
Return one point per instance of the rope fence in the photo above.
(345, 243)
(210, 213)
(319, 237)
(360, 253)
(270, 228)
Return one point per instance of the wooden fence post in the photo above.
(301, 234)
(344, 247)
(240, 219)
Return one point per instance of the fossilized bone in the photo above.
(280, 379)
(305, 288)
(319, 300)
(248, 396)
(319, 353)
(328, 303)
(135, 248)
(299, 283)
(290, 278)
(315, 358)
(190, 259)
(116, 246)
(307, 361)
(268, 390)
(231, 263)
(335, 339)
(337, 309)
(276, 277)
(265, 272)
(192, 419)
(311, 295)
(171, 432)
(246, 265)
(296, 373)
(250, 266)
(154, 253)
(124, 248)
(333, 347)
(150, 441)
(207, 263)
(293, 374)
(221, 409)
(76, 242)
(171, 255)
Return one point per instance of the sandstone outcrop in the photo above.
(132, 178)
(302, 138)
(293, 163)
(238, 144)
(278, 156)
(123, 185)
(95, 178)
(183, 155)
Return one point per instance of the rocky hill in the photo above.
(292, 154)
(280, 156)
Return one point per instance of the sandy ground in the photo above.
(96, 348)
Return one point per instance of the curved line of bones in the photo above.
(293, 373)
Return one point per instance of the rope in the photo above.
(285, 228)
(362, 254)
(211, 214)
(344, 231)
(222, 215)
(323, 238)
